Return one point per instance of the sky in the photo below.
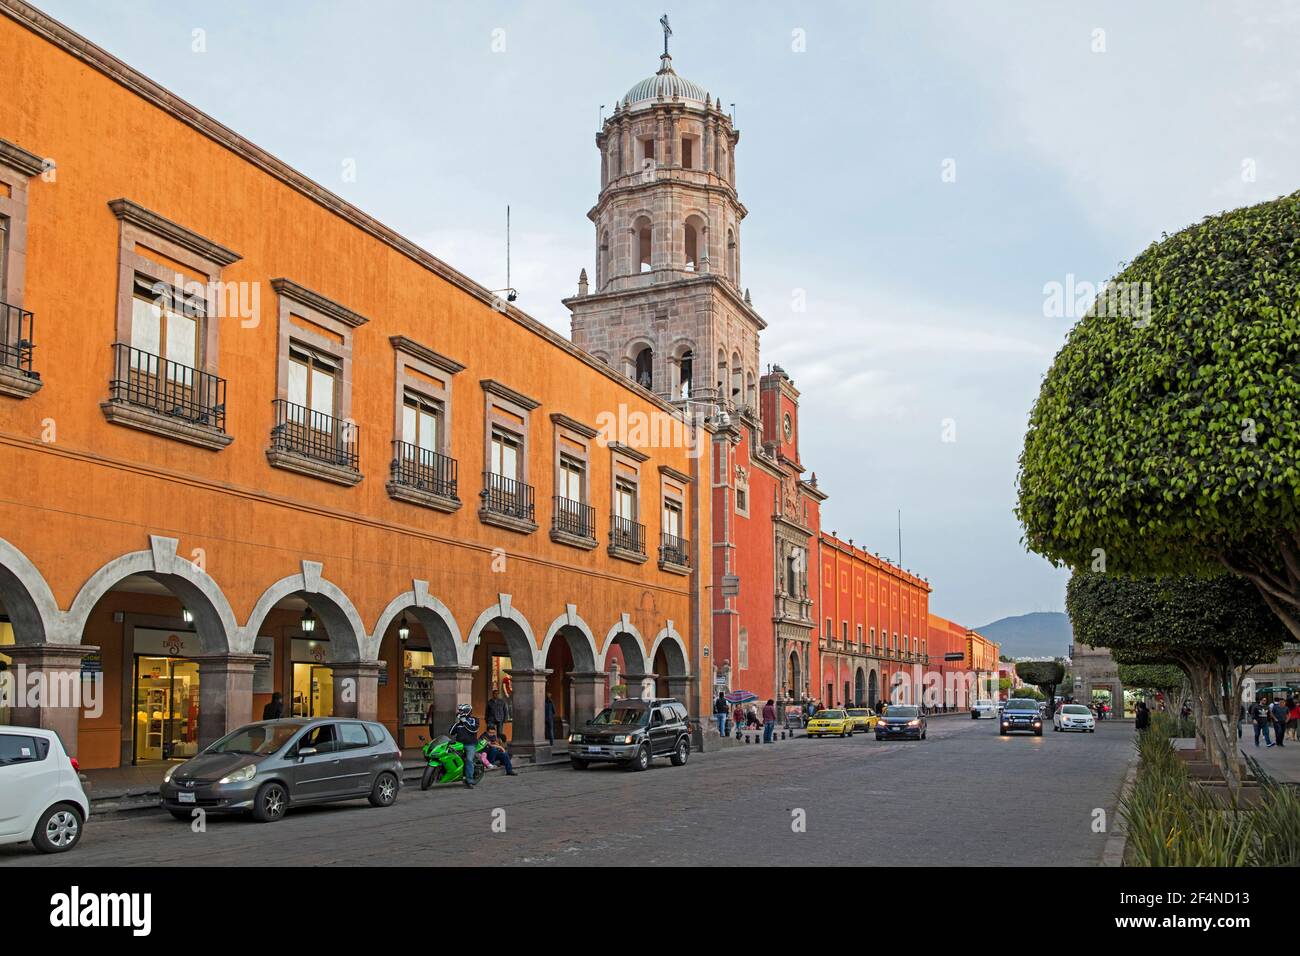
(919, 177)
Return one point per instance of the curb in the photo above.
(1117, 838)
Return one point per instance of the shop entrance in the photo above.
(166, 725)
(313, 690)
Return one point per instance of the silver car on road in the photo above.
(266, 767)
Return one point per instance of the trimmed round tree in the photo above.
(1165, 438)
(1164, 678)
(1045, 675)
(1212, 629)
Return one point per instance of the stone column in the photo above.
(527, 714)
(356, 689)
(636, 686)
(225, 694)
(46, 690)
(707, 158)
(588, 695)
(680, 688)
(452, 686)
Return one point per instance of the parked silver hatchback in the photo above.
(266, 767)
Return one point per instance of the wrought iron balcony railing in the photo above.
(315, 435)
(423, 469)
(674, 550)
(16, 338)
(573, 517)
(626, 534)
(145, 380)
(505, 496)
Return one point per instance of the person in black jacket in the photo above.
(1142, 720)
(465, 732)
(720, 710)
(274, 708)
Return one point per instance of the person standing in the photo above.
(549, 716)
(496, 713)
(720, 709)
(465, 732)
(1293, 717)
(1142, 719)
(737, 717)
(274, 708)
(1279, 714)
(769, 720)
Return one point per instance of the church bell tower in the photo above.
(666, 306)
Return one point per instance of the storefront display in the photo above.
(499, 681)
(417, 687)
(165, 723)
(6, 637)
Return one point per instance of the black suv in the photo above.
(1021, 713)
(632, 733)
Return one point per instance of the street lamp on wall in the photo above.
(308, 621)
(403, 629)
(187, 615)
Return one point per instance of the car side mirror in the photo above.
(307, 752)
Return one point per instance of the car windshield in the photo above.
(902, 712)
(859, 713)
(257, 738)
(829, 715)
(1022, 705)
(622, 715)
(983, 703)
(1075, 709)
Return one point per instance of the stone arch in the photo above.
(582, 643)
(348, 638)
(513, 626)
(27, 599)
(675, 651)
(629, 641)
(860, 687)
(434, 616)
(214, 621)
(873, 688)
(642, 237)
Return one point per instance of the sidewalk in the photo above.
(1280, 763)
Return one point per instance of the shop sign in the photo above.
(92, 664)
(156, 642)
(310, 652)
(383, 676)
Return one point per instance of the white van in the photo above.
(43, 800)
(984, 710)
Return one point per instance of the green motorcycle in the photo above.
(446, 761)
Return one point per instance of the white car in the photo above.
(43, 800)
(1074, 717)
(984, 710)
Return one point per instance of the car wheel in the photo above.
(1092, 731)
(642, 759)
(58, 830)
(384, 792)
(271, 802)
(1038, 732)
(577, 764)
(923, 733)
(682, 753)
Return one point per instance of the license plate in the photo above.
(593, 750)
(185, 798)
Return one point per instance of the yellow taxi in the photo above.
(834, 722)
(864, 718)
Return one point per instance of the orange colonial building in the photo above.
(873, 618)
(258, 442)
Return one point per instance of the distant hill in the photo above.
(1040, 634)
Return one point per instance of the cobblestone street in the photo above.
(964, 796)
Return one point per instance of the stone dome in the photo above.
(667, 84)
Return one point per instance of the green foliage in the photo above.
(1041, 673)
(1170, 438)
(1172, 821)
(1027, 691)
(1173, 620)
(1162, 677)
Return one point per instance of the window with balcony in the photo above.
(313, 432)
(627, 535)
(422, 471)
(573, 519)
(165, 354)
(507, 498)
(18, 377)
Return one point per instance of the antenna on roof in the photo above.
(511, 292)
